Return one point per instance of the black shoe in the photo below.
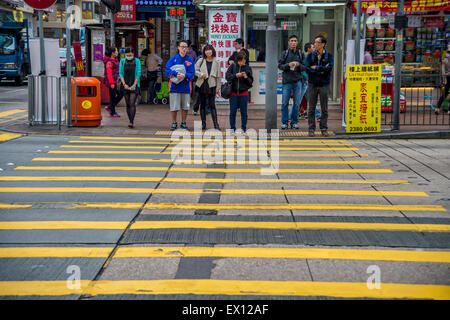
(183, 126)
(174, 126)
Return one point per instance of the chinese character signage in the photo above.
(409, 7)
(224, 27)
(78, 59)
(127, 11)
(175, 14)
(363, 108)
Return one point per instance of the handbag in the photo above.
(225, 90)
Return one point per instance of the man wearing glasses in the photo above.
(319, 66)
(180, 83)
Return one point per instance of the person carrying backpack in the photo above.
(292, 63)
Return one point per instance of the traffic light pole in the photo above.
(271, 68)
(68, 66)
(43, 81)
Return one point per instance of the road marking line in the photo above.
(55, 252)
(283, 253)
(201, 180)
(192, 136)
(228, 170)
(227, 252)
(14, 206)
(8, 136)
(212, 143)
(226, 287)
(62, 225)
(280, 206)
(281, 155)
(195, 224)
(228, 206)
(215, 191)
(211, 149)
(183, 161)
(17, 118)
(10, 112)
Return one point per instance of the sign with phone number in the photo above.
(363, 108)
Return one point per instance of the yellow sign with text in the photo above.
(363, 103)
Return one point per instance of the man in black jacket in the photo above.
(292, 63)
(319, 66)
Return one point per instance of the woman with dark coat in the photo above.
(240, 75)
(130, 74)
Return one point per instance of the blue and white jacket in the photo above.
(184, 86)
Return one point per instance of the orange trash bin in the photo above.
(88, 102)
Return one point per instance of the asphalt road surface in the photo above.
(116, 218)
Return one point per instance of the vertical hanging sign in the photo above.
(223, 28)
(363, 98)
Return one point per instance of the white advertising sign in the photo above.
(223, 28)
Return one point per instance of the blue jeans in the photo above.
(240, 102)
(305, 93)
(151, 91)
(297, 90)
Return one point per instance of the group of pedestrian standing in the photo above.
(306, 73)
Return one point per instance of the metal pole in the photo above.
(398, 68)
(271, 68)
(68, 65)
(42, 73)
(113, 35)
(358, 34)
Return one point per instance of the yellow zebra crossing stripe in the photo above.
(201, 161)
(11, 112)
(227, 252)
(200, 180)
(226, 287)
(8, 136)
(281, 155)
(195, 224)
(215, 191)
(211, 148)
(250, 207)
(179, 169)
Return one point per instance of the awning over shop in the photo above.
(416, 6)
(124, 26)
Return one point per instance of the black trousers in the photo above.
(315, 93)
(114, 98)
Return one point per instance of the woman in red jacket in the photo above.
(111, 76)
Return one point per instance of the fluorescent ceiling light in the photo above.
(208, 4)
(278, 5)
(323, 4)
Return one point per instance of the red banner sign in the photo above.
(78, 59)
(434, 22)
(127, 11)
(410, 6)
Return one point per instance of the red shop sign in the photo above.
(127, 11)
(433, 22)
(368, 6)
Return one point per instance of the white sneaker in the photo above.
(295, 126)
(284, 126)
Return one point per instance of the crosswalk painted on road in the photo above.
(120, 209)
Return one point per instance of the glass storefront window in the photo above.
(287, 26)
